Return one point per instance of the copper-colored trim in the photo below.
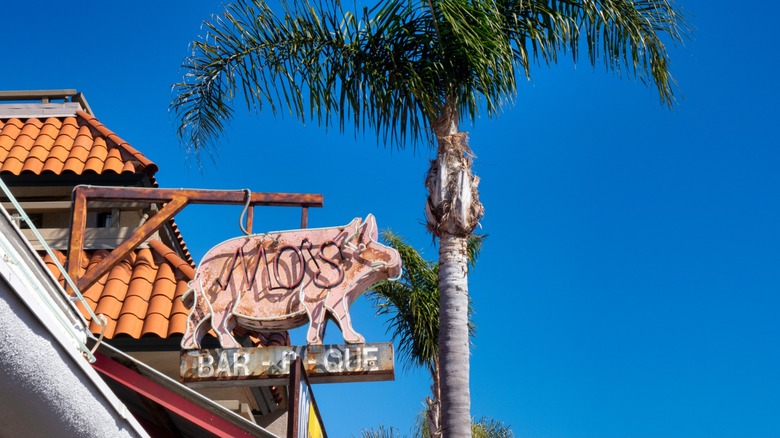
(200, 196)
(175, 200)
(76, 240)
(138, 237)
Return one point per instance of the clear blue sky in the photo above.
(631, 282)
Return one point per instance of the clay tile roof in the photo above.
(74, 144)
(139, 296)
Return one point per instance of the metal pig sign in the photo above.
(281, 280)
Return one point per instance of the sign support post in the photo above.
(303, 420)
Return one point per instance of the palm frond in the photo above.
(315, 61)
(395, 68)
(625, 35)
(412, 303)
(474, 247)
(380, 432)
(479, 58)
(489, 428)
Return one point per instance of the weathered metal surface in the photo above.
(199, 196)
(271, 365)
(120, 252)
(281, 280)
(175, 200)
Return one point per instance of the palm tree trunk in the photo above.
(454, 337)
(433, 412)
(453, 211)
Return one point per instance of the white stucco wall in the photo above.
(47, 388)
(42, 393)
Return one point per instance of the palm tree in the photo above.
(482, 428)
(381, 432)
(409, 70)
(490, 428)
(412, 305)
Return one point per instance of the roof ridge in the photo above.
(170, 255)
(149, 166)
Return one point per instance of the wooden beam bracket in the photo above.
(174, 201)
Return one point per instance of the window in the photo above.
(104, 220)
(35, 218)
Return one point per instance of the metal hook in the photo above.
(243, 213)
(103, 324)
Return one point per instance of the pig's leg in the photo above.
(339, 307)
(197, 316)
(317, 323)
(194, 331)
(223, 321)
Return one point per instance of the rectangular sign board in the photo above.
(264, 366)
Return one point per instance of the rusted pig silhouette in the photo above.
(279, 280)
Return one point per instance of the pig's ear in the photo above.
(354, 224)
(369, 229)
(352, 234)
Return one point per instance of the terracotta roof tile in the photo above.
(157, 324)
(97, 156)
(84, 139)
(96, 290)
(75, 144)
(34, 161)
(30, 132)
(110, 328)
(134, 305)
(92, 121)
(9, 132)
(50, 130)
(40, 151)
(128, 167)
(129, 324)
(109, 308)
(119, 278)
(33, 166)
(179, 310)
(58, 152)
(12, 165)
(73, 165)
(140, 296)
(161, 299)
(54, 163)
(19, 151)
(69, 128)
(173, 258)
(113, 162)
